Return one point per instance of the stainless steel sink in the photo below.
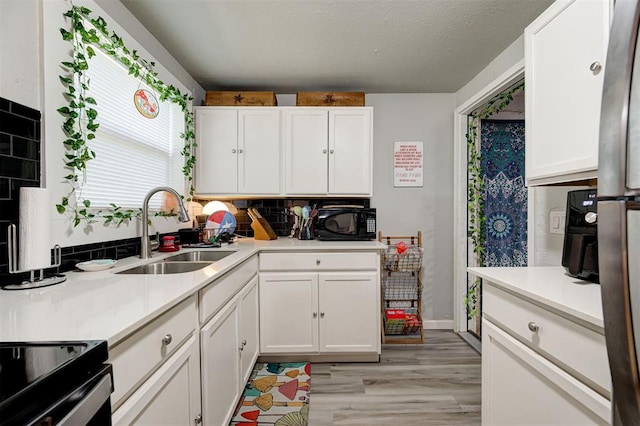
(163, 268)
(199, 256)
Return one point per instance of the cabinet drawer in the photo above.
(215, 295)
(318, 261)
(141, 354)
(576, 348)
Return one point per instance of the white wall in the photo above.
(403, 211)
(20, 51)
(504, 61)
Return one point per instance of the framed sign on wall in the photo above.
(407, 164)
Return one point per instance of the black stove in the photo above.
(49, 383)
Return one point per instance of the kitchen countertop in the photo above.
(105, 306)
(552, 288)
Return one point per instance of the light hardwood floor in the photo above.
(436, 383)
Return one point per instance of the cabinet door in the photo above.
(521, 387)
(306, 150)
(248, 328)
(350, 151)
(259, 151)
(171, 396)
(217, 160)
(220, 366)
(563, 94)
(288, 312)
(349, 308)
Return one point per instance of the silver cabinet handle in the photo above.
(233, 151)
(595, 67)
(533, 327)
(324, 151)
(244, 342)
(317, 261)
(321, 314)
(167, 339)
(239, 151)
(330, 151)
(315, 315)
(198, 419)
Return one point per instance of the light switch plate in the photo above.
(556, 221)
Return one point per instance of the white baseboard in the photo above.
(438, 324)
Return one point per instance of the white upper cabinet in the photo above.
(306, 150)
(238, 151)
(350, 152)
(328, 151)
(565, 54)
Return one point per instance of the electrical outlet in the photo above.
(556, 221)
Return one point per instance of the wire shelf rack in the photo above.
(401, 265)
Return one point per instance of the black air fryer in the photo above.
(580, 249)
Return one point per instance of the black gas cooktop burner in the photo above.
(34, 375)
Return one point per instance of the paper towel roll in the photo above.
(34, 245)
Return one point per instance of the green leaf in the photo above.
(65, 201)
(86, 203)
(61, 209)
(66, 35)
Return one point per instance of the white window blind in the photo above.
(133, 154)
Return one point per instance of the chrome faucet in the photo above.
(183, 216)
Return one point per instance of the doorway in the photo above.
(497, 196)
(461, 232)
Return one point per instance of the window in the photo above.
(133, 154)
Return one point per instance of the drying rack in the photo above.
(401, 288)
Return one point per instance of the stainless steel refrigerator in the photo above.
(619, 210)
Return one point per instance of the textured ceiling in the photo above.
(374, 46)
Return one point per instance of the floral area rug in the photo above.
(277, 394)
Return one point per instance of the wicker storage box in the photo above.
(330, 99)
(241, 99)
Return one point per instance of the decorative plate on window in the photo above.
(146, 103)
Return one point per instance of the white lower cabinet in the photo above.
(327, 312)
(171, 396)
(229, 350)
(157, 371)
(319, 312)
(539, 368)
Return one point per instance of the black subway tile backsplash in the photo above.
(25, 111)
(26, 148)
(5, 144)
(19, 126)
(19, 166)
(5, 188)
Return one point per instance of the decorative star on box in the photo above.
(238, 98)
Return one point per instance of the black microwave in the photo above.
(346, 224)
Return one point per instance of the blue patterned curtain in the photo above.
(505, 198)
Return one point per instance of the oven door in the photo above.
(89, 403)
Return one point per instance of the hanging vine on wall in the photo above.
(476, 188)
(87, 34)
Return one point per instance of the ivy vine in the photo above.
(476, 188)
(86, 34)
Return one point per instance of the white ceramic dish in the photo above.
(96, 265)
